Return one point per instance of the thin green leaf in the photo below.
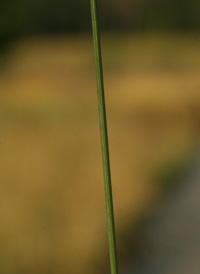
(104, 139)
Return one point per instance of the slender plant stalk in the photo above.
(104, 139)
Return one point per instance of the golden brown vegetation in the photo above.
(52, 198)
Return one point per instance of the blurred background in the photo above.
(52, 207)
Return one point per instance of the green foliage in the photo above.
(27, 17)
(172, 15)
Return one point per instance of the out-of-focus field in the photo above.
(52, 208)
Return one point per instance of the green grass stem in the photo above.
(104, 139)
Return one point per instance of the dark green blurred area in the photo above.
(20, 18)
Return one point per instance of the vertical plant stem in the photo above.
(104, 139)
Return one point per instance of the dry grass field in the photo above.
(52, 207)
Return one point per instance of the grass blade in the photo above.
(104, 139)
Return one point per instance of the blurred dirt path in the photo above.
(172, 236)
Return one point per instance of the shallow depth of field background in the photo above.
(52, 207)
